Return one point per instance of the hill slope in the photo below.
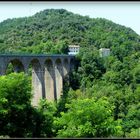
(49, 31)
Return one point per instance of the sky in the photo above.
(123, 13)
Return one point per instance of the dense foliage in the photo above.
(103, 95)
(87, 118)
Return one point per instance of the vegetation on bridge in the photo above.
(102, 98)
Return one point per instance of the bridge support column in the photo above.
(66, 68)
(2, 72)
(50, 81)
(2, 68)
(58, 79)
(38, 89)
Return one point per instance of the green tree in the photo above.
(131, 123)
(87, 118)
(46, 110)
(15, 93)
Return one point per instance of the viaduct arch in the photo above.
(48, 72)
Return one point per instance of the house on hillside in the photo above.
(73, 49)
(104, 52)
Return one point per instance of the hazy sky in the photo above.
(123, 13)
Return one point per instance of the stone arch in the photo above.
(16, 64)
(50, 90)
(35, 64)
(58, 61)
(59, 77)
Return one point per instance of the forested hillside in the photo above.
(47, 31)
(102, 98)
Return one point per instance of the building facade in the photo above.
(104, 52)
(73, 49)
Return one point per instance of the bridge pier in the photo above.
(66, 68)
(50, 86)
(38, 89)
(2, 67)
(2, 71)
(58, 78)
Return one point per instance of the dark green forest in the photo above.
(101, 98)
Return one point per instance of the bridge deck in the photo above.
(36, 55)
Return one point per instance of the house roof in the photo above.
(74, 46)
(104, 49)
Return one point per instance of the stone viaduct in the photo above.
(48, 72)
